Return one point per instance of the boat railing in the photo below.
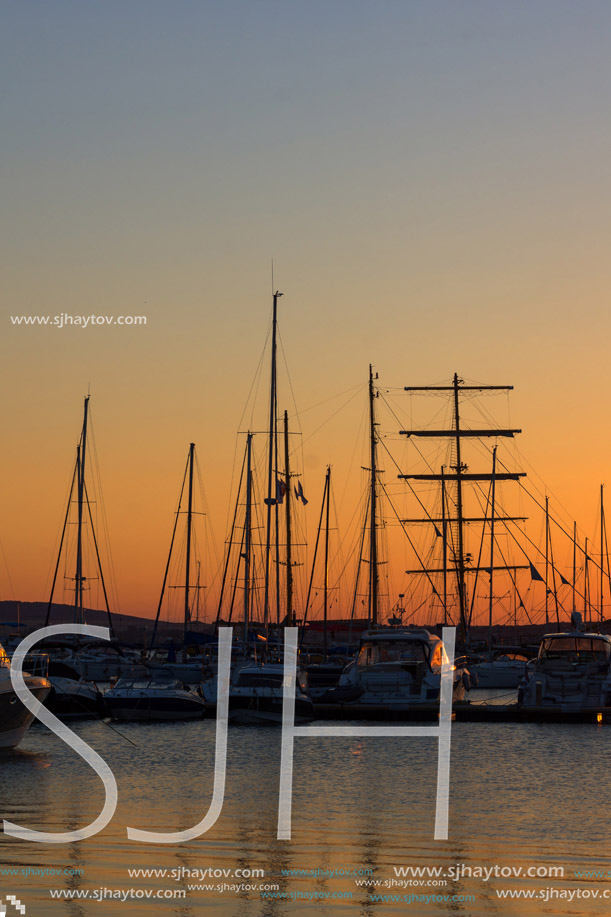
(36, 664)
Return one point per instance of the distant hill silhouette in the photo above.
(129, 628)
(136, 630)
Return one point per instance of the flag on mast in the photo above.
(280, 490)
(300, 494)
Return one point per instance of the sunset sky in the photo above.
(431, 180)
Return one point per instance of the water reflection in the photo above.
(522, 795)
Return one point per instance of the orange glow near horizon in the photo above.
(140, 483)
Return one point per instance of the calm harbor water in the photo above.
(526, 796)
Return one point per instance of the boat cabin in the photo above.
(418, 648)
(575, 650)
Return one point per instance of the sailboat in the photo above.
(188, 669)
(397, 668)
(256, 687)
(457, 567)
(92, 661)
(324, 673)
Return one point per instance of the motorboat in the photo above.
(571, 673)
(504, 671)
(95, 662)
(15, 718)
(72, 695)
(151, 699)
(256, 694)
(399, 669)
(190, 670)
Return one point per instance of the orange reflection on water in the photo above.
(358, 750)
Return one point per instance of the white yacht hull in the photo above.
(15, 719)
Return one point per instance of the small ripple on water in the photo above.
(521, 795)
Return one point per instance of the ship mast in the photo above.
(290, 614)
(373, 504)
(188, 475)
(189, 530)
(444, 536)
(460, 475)
(270, 500)
(574, 562)
(82, 500)
(318, 531)
(79, 615)
(546, 560)
(326, 581)
(491, 553)
(462, 594)
(586, 582)
(602, 565)
(247, 538)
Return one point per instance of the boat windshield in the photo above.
(577, 649)
(374, 651)
(260, 680)
(146, 684)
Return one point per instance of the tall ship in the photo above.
(467, 563)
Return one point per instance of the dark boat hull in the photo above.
(72, 703)
(154, 708)
(263, 709)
